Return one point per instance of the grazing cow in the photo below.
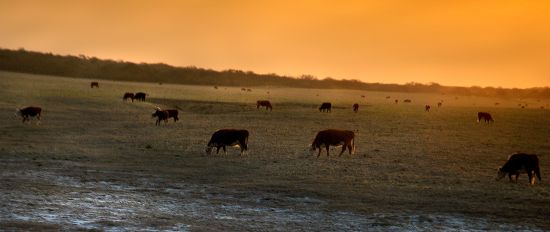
(172, 113)
(128, 96)
(325, 107)
(140, 96)
(228, 137)
(427, 108)
(162, 115)
(355, 107)
(407, 101)
(94, 84)
(243, 89)
(249, 90)
(439, 104)
(265, 103)
(520, 163)
(396, 101)
(485, 116)
(335, 138)
(27, 112)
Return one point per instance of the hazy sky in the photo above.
(463, 43)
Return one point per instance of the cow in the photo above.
(228, 137)
(140, 96)
(172, 113)
(128, 96)
(335, 138)
(388, 97)
(243, 89)
(94, 84)
(439, 104)
(407, 101)
(215, 87)
(27, 112)
(362, 96)
(427, 108)
(325, 107)
(162, 115)
(249, 90)
(396, 101)
(520, 163)
(265, 103)
(355, 107)
(485, 116)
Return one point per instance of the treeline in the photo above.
(91, 67)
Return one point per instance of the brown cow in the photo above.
(335, 138)
(396, 101)
(520, 163)
(407, 101)
(162, 115)
(172, 113)
(228, 137)
(94, 84)
(439, 104)
(427, 108)
(128, 96)
(355, 107)
(265, 103)
(485, 116)
(31, 111)
(325, 107)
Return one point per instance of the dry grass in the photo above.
(407, 161)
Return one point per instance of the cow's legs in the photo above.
(224, 151)
(319, 154)
(327, 146)
(343, 149)
(350, 149)
(218, 149)
(510, 177)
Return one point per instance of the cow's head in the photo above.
(312, 148)
(500, 174)
(209, 148)
(17, 112)
(156, 112)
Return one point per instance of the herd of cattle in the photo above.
(516, 164)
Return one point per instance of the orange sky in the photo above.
(462, 43)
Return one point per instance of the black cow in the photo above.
(31, 111)
(128, 96)
(355, 107)
(485, 116)
(94, 84)
(335, 138)
(520, 163)
(264, 103)
(325, 107)
(140, 96)
(228, 137)
(427, 108)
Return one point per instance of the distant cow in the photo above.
(362, 96)
(228, 137)
(485, 116)
(94, 84)
(333, 137)
(407, 101)
(355, 107)
(396, 101)
(521, 163)
(264, 103)
(162, 115)
(172, 113)
(439, 104)
(31, 111)
(128, 96)
(388, 97)
(325, 107)
(243, 89)
(427, 108)
(140, 96)
(249, 90)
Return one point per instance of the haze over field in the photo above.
(465, 43)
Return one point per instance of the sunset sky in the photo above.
(460, 43)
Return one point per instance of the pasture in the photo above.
(98, 162)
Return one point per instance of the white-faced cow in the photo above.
(140, 96)
(485, 116)
(264, 103)
(31, 111)
(128, 96)
(164, 115)
(325, 107)
(94, 84)
(332, 137)
(228, 137)
(520, 163)
(355, 107)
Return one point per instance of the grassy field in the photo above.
(96, 162)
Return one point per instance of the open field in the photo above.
(96, 162)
